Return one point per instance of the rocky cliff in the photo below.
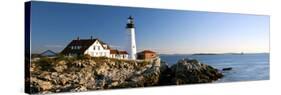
(63, 75)
(189, 72)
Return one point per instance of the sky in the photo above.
(54, 25)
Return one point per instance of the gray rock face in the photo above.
(104, 73)
(149, 76)
(192, 71)
(94, 74)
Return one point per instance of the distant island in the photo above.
(219, 53)
(207, 54)
(242, 53)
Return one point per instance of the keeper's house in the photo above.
(94, 48)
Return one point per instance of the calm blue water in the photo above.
(245, 67)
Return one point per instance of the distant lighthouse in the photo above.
(132, 39)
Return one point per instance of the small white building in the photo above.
(92, 47)
(119, 54)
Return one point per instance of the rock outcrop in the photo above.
(64, 75)
(192, 71)
(187, 71)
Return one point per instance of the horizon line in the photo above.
(212, 53)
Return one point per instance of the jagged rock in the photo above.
(163, 66)
(166, 74)
(45, 85)
(60, 68)
(45, 76)
(148, 77)
(227, 69)
(79, 89)
(104, 73)
(192, 71)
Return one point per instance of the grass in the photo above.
(48, 64)
(143, 63)
(45, 64)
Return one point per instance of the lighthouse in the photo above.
(132, 39)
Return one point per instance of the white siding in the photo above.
(119, 56)
(132, 42)
(96, 50)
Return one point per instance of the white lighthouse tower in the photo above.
(131, 29)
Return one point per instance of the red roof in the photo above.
(114, 51)
(147, 51)
(123, 52)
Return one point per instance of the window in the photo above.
(98, 47)
(94, 47)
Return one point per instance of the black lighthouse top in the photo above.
(130, 23)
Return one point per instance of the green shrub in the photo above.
(82, 57)
(61, 57)
(45, 63)
(143, 63)
(87, 57)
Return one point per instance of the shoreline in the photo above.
(63, 74)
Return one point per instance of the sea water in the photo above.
(245, 67)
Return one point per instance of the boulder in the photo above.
(145, 77)
(227, 69)
(45, 85)
(192, 71)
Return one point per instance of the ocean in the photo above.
(246, 67)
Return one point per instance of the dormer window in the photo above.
(76, 47)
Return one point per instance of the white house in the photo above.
(119, 54)
(97, 48)
(94, 48)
